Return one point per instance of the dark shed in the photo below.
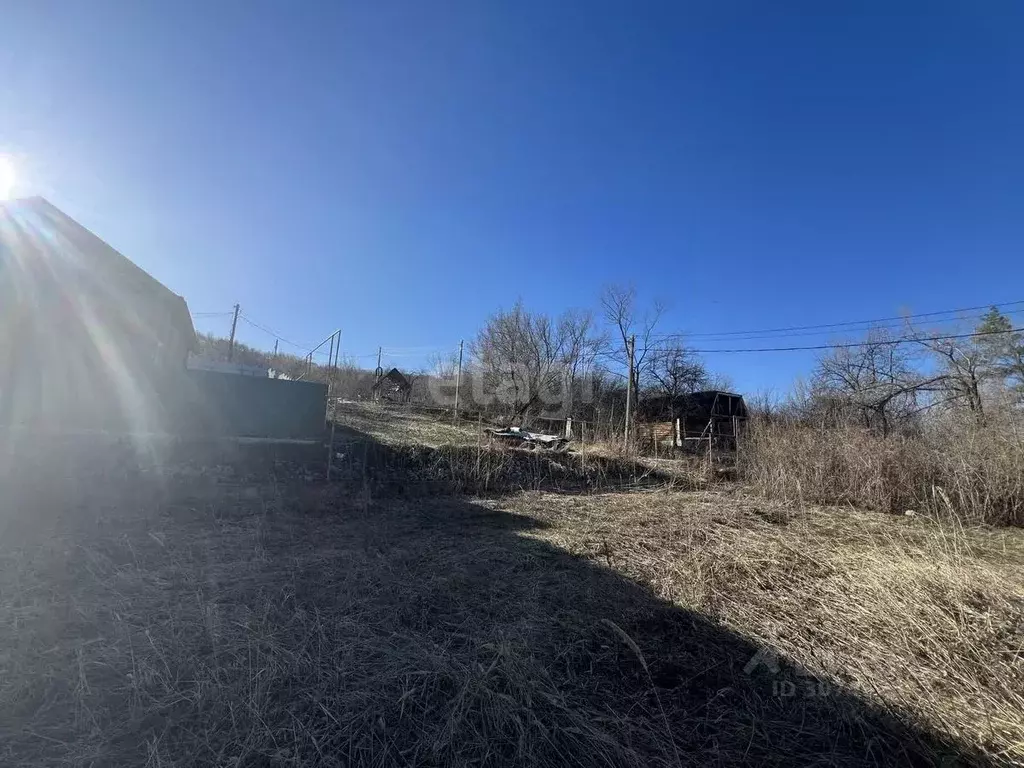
(393, 386)
(695, 416)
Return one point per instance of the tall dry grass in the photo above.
(922, 617)
(955, 467)
(177, 619)
(494, 468)
(392, 448)
(234, 609)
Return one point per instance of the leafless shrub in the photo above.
(955, 466)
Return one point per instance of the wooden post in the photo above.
(583, 446)
(630, 348)
(332, 368)
(377, 374)
(458, 384)
(479, 442)
(711, 434)
(231, 341)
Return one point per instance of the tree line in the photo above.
(523, 366)
(896, 382)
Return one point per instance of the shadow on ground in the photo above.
(188, 618)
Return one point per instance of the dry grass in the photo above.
(406, 425)
(974, 473)
(924, 617)
(247, 616)
(395, 450)
(415, 470)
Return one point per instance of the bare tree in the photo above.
(443, 365)
(581, 347)
(674, 370)
(766, 405)
(962, 368)
(620, 311)
(521, 357)
(720, 381)
(873, 381)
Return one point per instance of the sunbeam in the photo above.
(8, 177)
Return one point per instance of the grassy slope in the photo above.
(217, 619)
(402, 427)
(923, 617)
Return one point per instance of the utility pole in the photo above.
(458, 383)
(630, 349)
(231, 341)
(377, 376)
(275, 347)
(332, 390)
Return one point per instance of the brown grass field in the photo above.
(234, 608)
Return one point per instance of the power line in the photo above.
(809, 348)
(853, 345)
(725, 336)
(790, 331)
(816, 347)
(845, 324)
(276, 335)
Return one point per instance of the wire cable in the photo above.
(853, 345)
(787, 332)
(279, 337)
(845, 324)
(884, 326)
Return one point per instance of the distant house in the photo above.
(691, 418)
(393, 386)
(85, 334)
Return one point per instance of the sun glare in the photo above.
(7, 177)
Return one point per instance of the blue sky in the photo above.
(400, 170)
